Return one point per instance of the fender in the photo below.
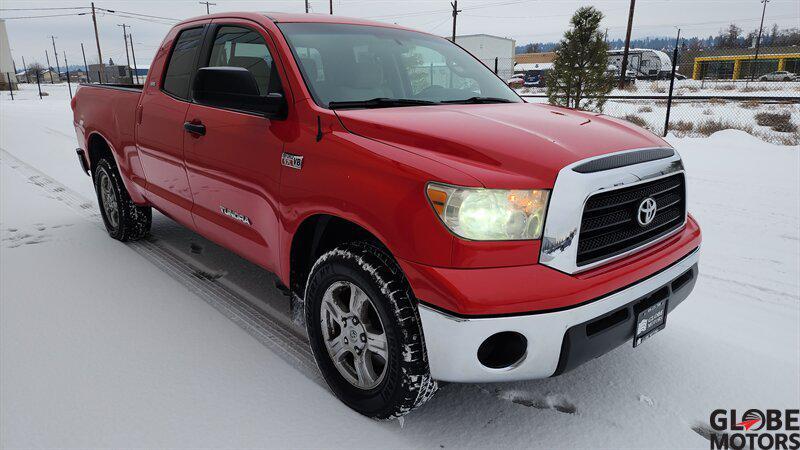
(291, 228)
(125, 162)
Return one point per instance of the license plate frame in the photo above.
(651, 317)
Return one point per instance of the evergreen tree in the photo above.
(580, 68)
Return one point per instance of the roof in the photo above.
(533, 66)
(543, 57)
(461, 36)
(278, 17)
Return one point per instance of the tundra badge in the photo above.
(292, 161)
(235, 215)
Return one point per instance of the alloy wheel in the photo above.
(110, 206)
(354, 335)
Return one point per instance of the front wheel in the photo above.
(364, 330)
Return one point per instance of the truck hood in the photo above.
(506, 145)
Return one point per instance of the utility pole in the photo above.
(624, 68)
(454, 4)
(99, 53)
(125, 38)
(133, 54)
(758, 39)
(306, 6)
(66, 69)
(85, 66)
(49, 67)
(58, 66)
(208, 10)
(330, 4)
(25, 68)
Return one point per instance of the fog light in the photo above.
(503, 350)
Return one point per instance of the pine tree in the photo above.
(580, 77)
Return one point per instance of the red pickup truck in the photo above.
(436, 226)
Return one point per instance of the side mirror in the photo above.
(236, 88)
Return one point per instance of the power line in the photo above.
(156, 21)
(116, 11)
(43, 17)
(45, 9)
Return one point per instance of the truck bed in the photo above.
(109, 110)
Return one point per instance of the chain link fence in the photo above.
(720, 65)
(503, 67)
(774, 119)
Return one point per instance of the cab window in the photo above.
(242, 47)
(181, 62)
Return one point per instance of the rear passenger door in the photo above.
(234, 167)
(160, 118)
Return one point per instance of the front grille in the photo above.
(609, 225)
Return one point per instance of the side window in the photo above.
(181, 62)
(243, 47)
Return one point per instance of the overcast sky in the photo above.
(522, 20)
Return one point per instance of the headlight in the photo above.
(490, 214)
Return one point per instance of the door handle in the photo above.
(195, 128)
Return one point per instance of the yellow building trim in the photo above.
(745, 57)
(737, 61)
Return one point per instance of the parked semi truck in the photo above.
(434, 232)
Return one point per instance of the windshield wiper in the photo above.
(379, 102)
(472, 100)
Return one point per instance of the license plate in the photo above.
(650, 321)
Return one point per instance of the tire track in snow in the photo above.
(270, 331)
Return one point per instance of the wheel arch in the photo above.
(97, 147)
(317, 234)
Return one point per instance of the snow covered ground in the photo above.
(699, 118)
(740, 88)
(156, 344)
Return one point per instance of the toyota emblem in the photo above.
(647, 211)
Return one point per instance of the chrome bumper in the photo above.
(452, 342)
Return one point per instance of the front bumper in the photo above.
(556, 341)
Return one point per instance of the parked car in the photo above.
(535, 78)
(515, 82)
(780, 75)
(433, 232)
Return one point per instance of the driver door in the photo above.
(234, 167)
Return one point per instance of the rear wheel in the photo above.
(124, 220)
(365, 332)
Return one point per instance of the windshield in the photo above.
(348, 64)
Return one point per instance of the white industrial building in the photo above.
(486, 48)
(6, 63)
